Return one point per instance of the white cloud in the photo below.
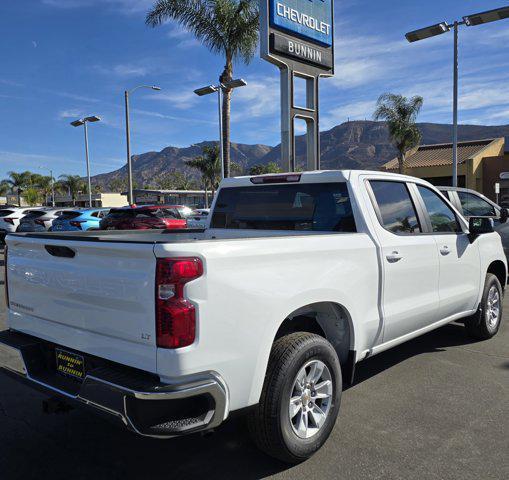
(260, 98)
(122, 70)
(64, 114)
(181, 100)
(181, 37)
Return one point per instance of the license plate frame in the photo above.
(70, 364)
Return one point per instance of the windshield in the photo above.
(323, 207)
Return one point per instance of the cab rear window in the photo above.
(5, 213)
(323, 207)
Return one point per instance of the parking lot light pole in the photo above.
(444, 27)
(84, 122)
(219, 89)
(128, 139)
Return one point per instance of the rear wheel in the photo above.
(486, 322)
(300, 399)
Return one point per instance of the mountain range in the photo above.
(351, 145)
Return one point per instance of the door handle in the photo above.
(394, 257)
(445, 250)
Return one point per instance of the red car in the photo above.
(145, 218)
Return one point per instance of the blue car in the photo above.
(79, 220)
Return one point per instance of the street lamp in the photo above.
(444, 27)
(128, 139)
(220, 89)
(78, 123)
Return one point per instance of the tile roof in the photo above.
(441, 154)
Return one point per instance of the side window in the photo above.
(94, 214)
(397, 210)
(475, 206)
(441, 215)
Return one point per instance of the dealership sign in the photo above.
(310, 19)
(298, 33)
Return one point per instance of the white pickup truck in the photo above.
(297, 278)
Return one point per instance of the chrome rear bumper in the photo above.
(136, 398)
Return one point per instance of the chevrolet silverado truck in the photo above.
(296, 279)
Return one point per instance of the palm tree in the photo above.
(18, 181)
(73, 183)
(209, 165)
(226, 27)
(400, 113)
(4, 187)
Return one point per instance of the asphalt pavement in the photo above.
(436, 407)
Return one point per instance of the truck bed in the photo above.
(166, 236)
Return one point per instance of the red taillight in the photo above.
(10, 220)
(75, 224)
(175, 316)
(39, 222)
(6, 287)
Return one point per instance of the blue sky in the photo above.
(61, 59)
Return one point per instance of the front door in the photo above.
(409, 258)
(459, 259)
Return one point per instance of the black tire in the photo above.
(479, 326)
(269, 422)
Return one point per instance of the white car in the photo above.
(297, 279)
(9, 219)
(39, 220)
(198, 218)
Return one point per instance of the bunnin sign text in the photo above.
(301, 51)
(309, 19)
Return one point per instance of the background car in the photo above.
(78, 220)
(144, 218)
(473, 204)
(9, 219)
(39, 220)
(198, 218)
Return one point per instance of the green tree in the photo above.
(176, 180)
(209, 166)
(19, 181)
(400, 113)
(32, 196)
(225, 27)
(73, 184)
(4, 187)
(258, 169)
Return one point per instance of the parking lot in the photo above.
(434, 408)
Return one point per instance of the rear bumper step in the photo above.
(136, 398)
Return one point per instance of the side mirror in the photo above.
(504, 215)
(479, 226)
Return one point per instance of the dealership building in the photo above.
(191, 198)
(481, 164)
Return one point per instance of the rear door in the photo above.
(459, 259)
(409, 259)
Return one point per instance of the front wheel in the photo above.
(300, 399)
(486, 322)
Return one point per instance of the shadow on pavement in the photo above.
(80, 445)
(450, 335)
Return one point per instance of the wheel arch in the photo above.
(331, 321)
(498, 269)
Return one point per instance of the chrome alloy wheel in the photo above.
(311, 399)
(493, 307)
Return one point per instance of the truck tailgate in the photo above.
(90, 296)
